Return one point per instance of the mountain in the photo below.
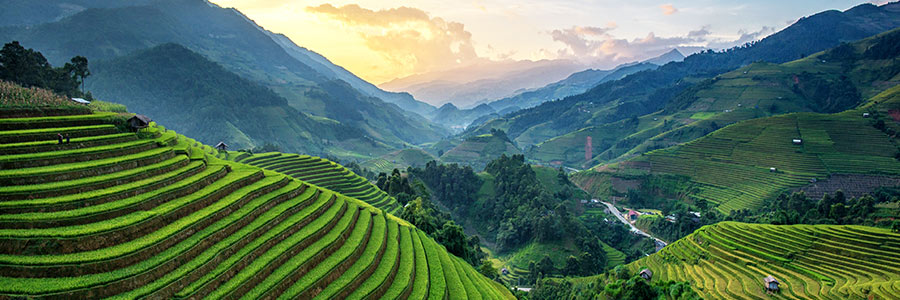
(644, 93)
(478, 151)
(468, 86)
(574, 84)
(210, 103)
(330, 70)
(580, 82)
(451, 116)
(228, 38)
(828, 82)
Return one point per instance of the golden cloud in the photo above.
(406, 36)
(668, 9)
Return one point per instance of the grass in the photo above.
(731, 167)
(390, 259)
(412, 265)
(345, 223)
(327, 174)
(261, 227)
(810, 261)
(141, 216)
(360, 232)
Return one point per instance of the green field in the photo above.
(478, 151)
(115, 214)
(324, 173)
(731, 167)
(729, 260)
(400, 159)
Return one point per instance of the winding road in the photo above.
(615, 211)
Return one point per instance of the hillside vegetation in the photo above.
(306, 81)
(731, 168)
(478, 151)
(324, 173)
(155, 214)
(610, 105)
(730, 260)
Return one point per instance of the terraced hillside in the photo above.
(326, 174)
(729, 260)
(732, 167)
(154, 215)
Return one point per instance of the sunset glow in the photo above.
(382, 40)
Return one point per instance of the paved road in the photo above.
(615, 211)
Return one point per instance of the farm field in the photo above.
(729, 260)
(323, 173)
(732, 167)
(114, 214)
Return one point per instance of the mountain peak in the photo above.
(672, 55)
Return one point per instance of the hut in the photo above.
(866, 115)
(646, 274)
(797, 141)
(771, 284)
(139, 122)
(633, 215)
(773, 169)
(222, 146)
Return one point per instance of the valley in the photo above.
(188, 149)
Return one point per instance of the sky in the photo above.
(380, 40)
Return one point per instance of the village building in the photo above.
(771, 284)
(646, 274)
(138, 122)
(221, 146)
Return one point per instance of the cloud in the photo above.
(599, 47)
(744, 37)
(668, 9)
(406, 36)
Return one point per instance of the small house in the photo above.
(222, 146)
(866, 115)
(797, 141)
(633, 215)
(773, 169)
(504, 271)
(771, 284)
(139, 122)
(646, 274)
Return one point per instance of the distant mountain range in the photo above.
(633, 98)
(450, 115)
(307, 81)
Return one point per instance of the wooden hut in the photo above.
(771, 284)
(646, 274)
(222, 146)
(139, 122)
(797, 141)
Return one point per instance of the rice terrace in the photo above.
(246, 149)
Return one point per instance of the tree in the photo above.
(80, 69)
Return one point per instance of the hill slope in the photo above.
(230, 39)
(211, 104)
(731, 168)
(156, 214)
(647, 92)
(826, 82)
(477, 151)
(730, 260)
(324, 173)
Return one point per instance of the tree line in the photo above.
(30, 68)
